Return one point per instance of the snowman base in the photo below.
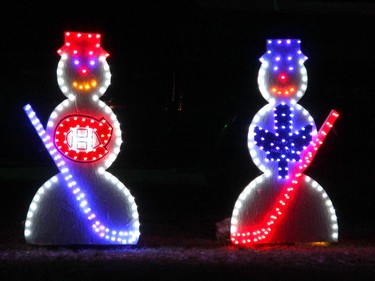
(308, 218)
(55, 216)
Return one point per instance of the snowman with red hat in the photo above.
(83, 204)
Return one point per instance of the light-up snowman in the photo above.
(83, 204)
(283, 205)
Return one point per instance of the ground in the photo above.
(178, 247)
(187, 258)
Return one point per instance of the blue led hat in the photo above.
(282, 76)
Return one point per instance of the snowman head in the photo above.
(83, 71)
(282, 76)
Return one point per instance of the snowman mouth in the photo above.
(283, 91)
(85, 85)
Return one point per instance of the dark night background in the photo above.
(184, 88)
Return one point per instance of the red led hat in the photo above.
(80, 43)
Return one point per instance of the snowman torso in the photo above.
(88, 134)
(269, 146)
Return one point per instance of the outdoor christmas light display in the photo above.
(83, 204)
(283, 205)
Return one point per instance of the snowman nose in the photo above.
(283, 77)
(83, 71)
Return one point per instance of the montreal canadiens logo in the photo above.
(83, 138)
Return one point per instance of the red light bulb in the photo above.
(83, 71)
(283, 77)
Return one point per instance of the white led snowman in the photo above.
(83, 204)
(276, 207)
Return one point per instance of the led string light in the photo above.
(283, 146)
(124, 236)
(116, 133)
(77, 43)
(87, 86)
(83, 138)
(82, 50)
(261, 232)
(265, 141)
(279, 150)
(284, 69)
